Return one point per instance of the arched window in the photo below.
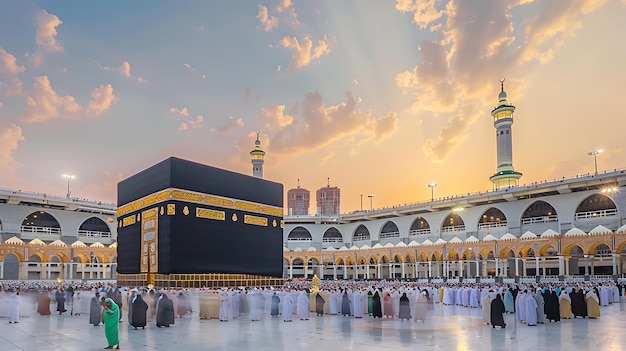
(299, 234)
(390, 230)
(539, 212)
(361, 234)
(453, 223)
(596, 206)
(332, 235)
(94, 227)
(41, 222)
(492, 218)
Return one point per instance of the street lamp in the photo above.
(68, 176)
(595, 159)
(371, 201)
(432, 190)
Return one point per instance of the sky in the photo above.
(375, 97)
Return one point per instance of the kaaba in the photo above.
(182, 217)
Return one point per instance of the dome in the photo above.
(414, 243)
(528, 235)
(297, 249)
(79, 243)
(285, 249)
(37, 242)
(353, 247)
(621, 230)
(311, 249)
(330, 248)
(389, 245)
(14, 240)
(96, 244)
(508, 236)
(113, 246)
(549, 233)
(377, 246)
(427, 242)
(489, 237)
(401, 244)
(343, 248)
(472, 239)
(365, 247)
(600, 230)
(440, 242)
(455, 240)
(575, 232)
(62, 244)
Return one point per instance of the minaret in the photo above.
(505, 175)
(257, 158)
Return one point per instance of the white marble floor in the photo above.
(448, 328)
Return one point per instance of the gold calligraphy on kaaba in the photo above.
(171, 209)
(186, 195)
(255, 220)
(218, 201)
(128, 221)
(210, 214)
(190, 196)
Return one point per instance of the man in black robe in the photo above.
(139, 310)
(165, 312)
(377, 309)
(319, 304)
(60, 298)
(579, 303)
(553, 312)
(274, 305)
(497, 309)
(405, 309)
(95, 310)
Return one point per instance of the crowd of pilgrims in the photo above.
(532, 304)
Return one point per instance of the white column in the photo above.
(497, 275)
(367, 272)
(536, 265)
(345, 271)
(378, 270)
(517, 266)
(415, 267)
(82, 271)
(403, 276)
(613, 256)
(391, 271)
(430, 269)
(477, 268)
(460, 268)
(561, 261)
(334, 272)
(290, 271)
(48, 269)
(1, 270)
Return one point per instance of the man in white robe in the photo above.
(357, 303)
(225, 307)
(334, 302)
(303, 305)
(286, 307)
(529, 304)
(14, 307)
(256, 301)
(486, 306)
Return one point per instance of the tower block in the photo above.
(505, 175)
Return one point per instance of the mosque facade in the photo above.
(564, 228)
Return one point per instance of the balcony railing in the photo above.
(390, 235)
(332, 240)
(453, 228)
(541, 219)
(419, 232)
(94, 234)
(596, 214)
(360, 237)
(40, 230)
(489, 225)
(299, 239)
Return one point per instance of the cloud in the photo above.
(326, 158)
(36, 58)
(10, 69)
(303, 51)
(9, 139)
(231, 124)
(194, 71)
(191, 124)
(268, 22)
(125, 69)
(44, 103)
(179, 111)
(311, 124)
(101, 99)
(47, 31)
(475, 45)
(283, 5)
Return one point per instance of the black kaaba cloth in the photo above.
(241, 234)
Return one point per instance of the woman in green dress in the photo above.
(111, 318)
